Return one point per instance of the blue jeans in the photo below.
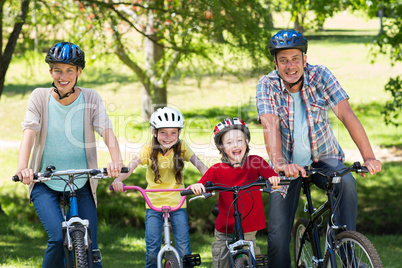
(154, 229)
(282, 212)
(46, 203)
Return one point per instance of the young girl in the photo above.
(165, 157)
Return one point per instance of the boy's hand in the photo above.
(117, 186)
(274, 182)
(197, 188)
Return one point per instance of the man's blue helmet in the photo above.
(287, 39)
(66, 52)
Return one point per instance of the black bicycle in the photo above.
(77, 241)
(342, 248)
(241, 251)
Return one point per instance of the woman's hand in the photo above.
(197, 188)
(25, 175)
(114, 168)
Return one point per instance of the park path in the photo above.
(128, 150)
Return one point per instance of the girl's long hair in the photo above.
(177, 160)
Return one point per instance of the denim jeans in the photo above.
(46, 203)
(282, 212)
(153, 234)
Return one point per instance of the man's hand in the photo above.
(291, 170)
(373, 165)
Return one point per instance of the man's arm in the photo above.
(272, 138)
(345, 113)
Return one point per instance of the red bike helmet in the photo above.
(229, 124)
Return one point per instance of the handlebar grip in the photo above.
(285, 182)
(186, 192)
(111, 187)
(125, 170)
(15, 178)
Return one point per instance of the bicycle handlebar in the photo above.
(261, 181)
(146, 198)
(356, 167)
(100, 173)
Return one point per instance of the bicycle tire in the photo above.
(171, 261)
(307, 253)
(240, 263)
(363, 251)
(79, 252)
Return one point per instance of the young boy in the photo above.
(231, 137)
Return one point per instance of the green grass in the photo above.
(22, 244)
(203, 101)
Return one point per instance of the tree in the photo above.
(388, 42)
(308, 14)
(172, 31)
(5, 58)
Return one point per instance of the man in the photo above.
(292, 103)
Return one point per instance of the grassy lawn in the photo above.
(204, 101)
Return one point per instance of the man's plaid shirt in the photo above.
(320, 90)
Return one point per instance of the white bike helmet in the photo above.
(166, 118)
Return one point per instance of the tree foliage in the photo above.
(388, 42)
(18, 21)
(308, 14)
(152, 37)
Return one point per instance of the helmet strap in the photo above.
(68, 93)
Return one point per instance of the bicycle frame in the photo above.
(316, 214)
(237, 248)
(166, 216)
(71, 220)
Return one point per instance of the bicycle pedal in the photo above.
(192, 260)
(96, 256)
(262, 261)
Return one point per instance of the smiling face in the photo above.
(167, 137)
(290, 63)
(235, 146)
(64, 76)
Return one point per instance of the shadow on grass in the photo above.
(19, 244)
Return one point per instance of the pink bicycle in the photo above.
(168, 256)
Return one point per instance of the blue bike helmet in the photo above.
(66, 52)
(287, 39)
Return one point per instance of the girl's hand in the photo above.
(26, 176)
(275, 180)
(117, 186)
(114, 168)
(197, 188)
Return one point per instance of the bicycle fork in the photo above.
(167, 242)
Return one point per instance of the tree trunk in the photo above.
(12, 40)
(155, 93)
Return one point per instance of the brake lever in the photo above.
(203, 196)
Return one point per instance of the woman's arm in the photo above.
(25, 174)
(114, 167)
(198, 164)
(117, 183)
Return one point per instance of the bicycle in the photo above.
(342, 248)
(76, 233)
(168, 256)
(241, 251)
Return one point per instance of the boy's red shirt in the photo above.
(250, 201)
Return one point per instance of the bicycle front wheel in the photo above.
(303, 246)
(171, 261)
(355, 250)
(79, 252)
